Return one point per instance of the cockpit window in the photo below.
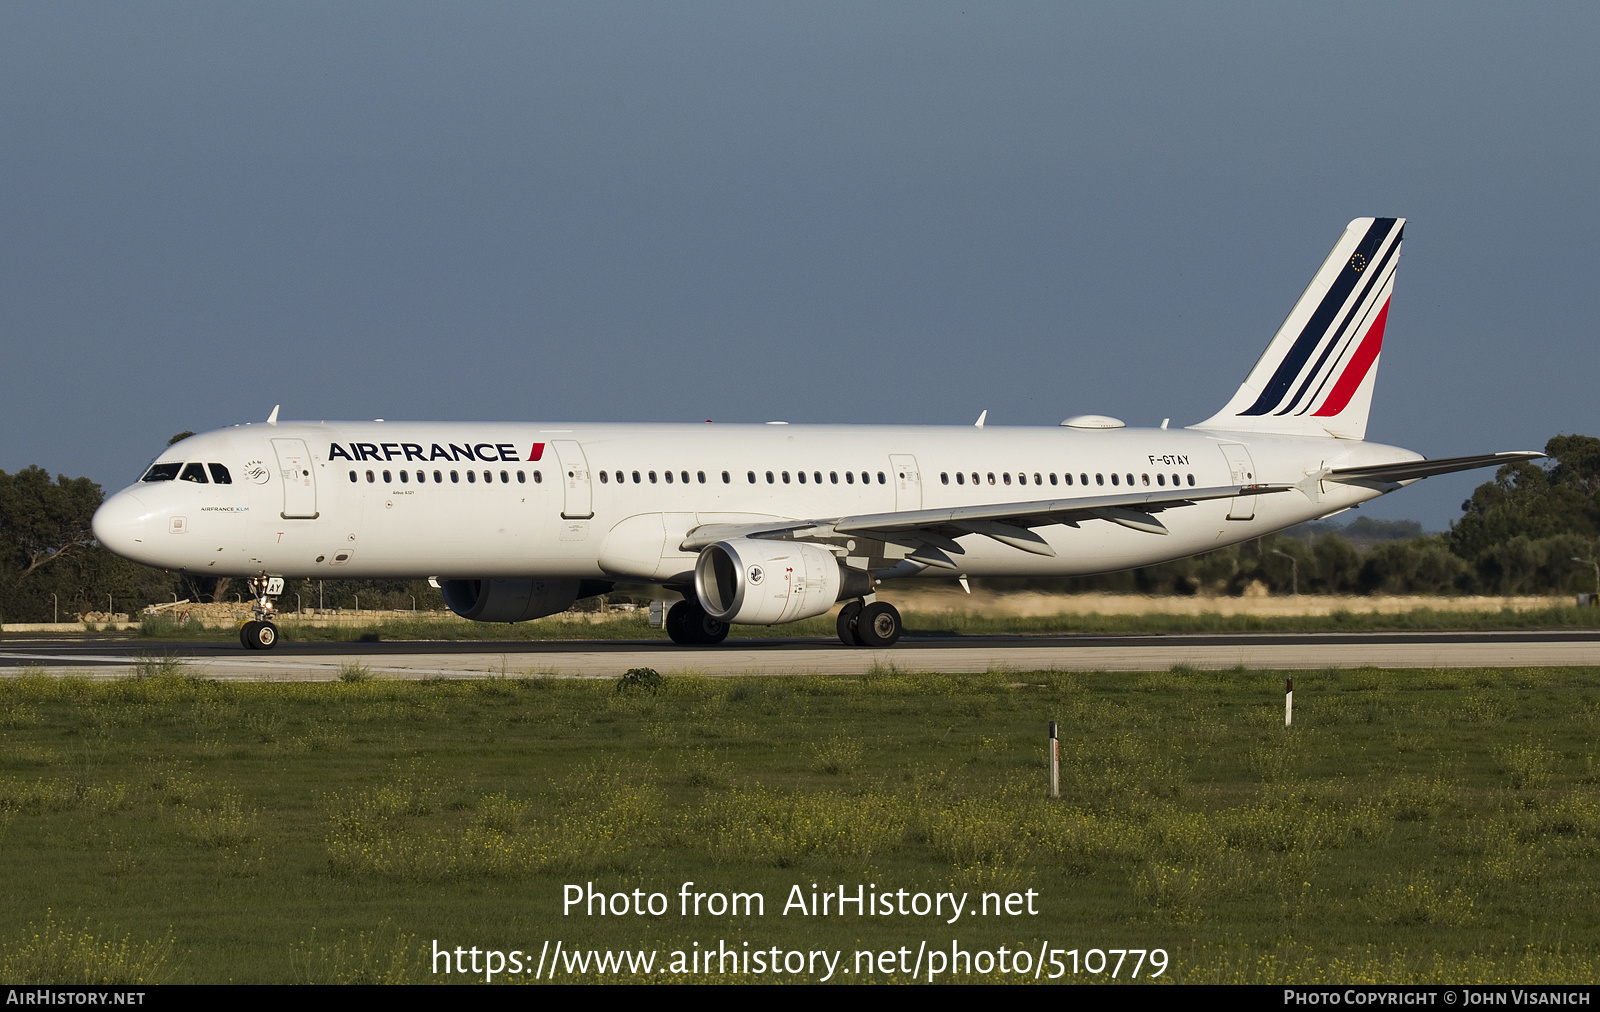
(195, 473)
(220, 475)
(163, 472)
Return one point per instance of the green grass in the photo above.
(1413, 826)
(635, 626)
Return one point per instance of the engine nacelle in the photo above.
(754, 582)
(510, 600)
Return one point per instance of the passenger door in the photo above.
(299, 479)
(577, 498)
(1241, 471)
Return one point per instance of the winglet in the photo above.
(979, 423)
(272, 419)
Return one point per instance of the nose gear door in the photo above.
(299, 481)
(1241, 471)
(577, 501)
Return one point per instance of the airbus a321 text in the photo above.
(766, 524)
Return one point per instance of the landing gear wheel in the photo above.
(849, 616)
(689, 625)
(259, 635)
(677, 624)
(879, 625)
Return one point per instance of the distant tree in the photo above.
(1532, 501)
(43, 522)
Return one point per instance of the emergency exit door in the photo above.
(907, 481)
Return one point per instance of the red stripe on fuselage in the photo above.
(536, 452)
(1356, 371)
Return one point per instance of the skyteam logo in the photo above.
(755, 574)
(1323, 367)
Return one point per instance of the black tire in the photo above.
(879, 625)
(258, 635)
(707, 630)
(849, 615)
(678, 624)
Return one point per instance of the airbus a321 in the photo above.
(767, 524)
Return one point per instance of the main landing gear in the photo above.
(259, 633)
(689, 625)
(866, 623)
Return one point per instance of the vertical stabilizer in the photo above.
(1316, 377)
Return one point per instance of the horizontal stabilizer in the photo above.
(1410, 470)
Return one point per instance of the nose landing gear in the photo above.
(259, 633)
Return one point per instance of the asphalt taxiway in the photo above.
(112, 657)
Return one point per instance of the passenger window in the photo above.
(220, 475)
(162, 472)
(538, 476)
(472, 477)
(1130, 481)
(195, 473)
(833, 477)
(881, 479)
(1083, 479)
(636, 477)
(1006, 478)
(752, 475)
(849, 477)
(1100, 479)
(802, 476)
(438, 478)
(975, 477)
(371, 478)
(505, 479)
(961, 479)
(352, 476)
(669, 477)
(685, 476)
(1161, 479)
(991, 477)
(1144, 479)
(944, 477)
(1114, 479)
(455, 477)
(700, 476)
(786, 477)
(727, 479)
(770, 479)
(1052, 477)
(652, 477)
(816, 476)
(422, 477)
(1067, 478)
(1040, 481)
(866, 479)
(386, 479)
(488, 477)
(1191, 479)
(603, 477)
(1175, 481)
(405, 477)
(522, 477)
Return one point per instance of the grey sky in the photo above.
(874, 213)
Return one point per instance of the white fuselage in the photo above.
(394, 499)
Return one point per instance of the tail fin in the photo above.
(1316, 377)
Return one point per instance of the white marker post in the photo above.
(1055, 762)
(1288, 702)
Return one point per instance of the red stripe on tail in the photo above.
(1356, 371)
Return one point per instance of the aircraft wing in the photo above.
(932, 533)
(1412, 469)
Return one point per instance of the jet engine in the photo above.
(755, 582)
(508, 600)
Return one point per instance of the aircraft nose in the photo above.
(121, 524)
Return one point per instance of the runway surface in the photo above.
(110, 657)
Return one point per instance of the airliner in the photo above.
(772, 523)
